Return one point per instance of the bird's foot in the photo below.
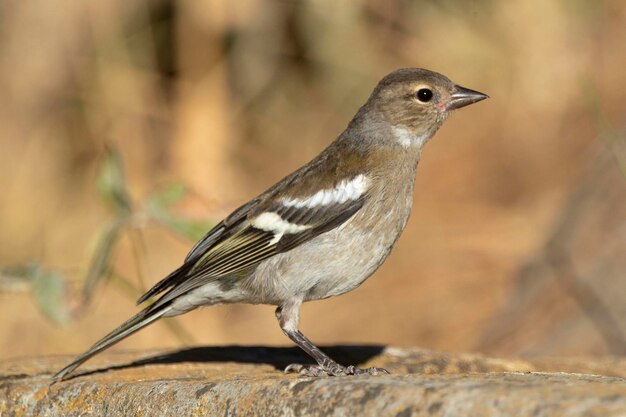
(332, 370)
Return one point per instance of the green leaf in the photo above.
(17, 278)
(169, 195)
(49, 291)
(191, 229)
(158, 208)
(101, 257)
(23, 271)
(112, 182)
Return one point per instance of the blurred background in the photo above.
(128, 128)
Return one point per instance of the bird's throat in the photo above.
(407, 139)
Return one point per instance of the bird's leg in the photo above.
(288, 316)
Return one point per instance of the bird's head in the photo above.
(415, 102)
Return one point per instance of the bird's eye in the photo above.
(424, 95)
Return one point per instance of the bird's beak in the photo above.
(463, 97)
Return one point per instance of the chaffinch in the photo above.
(320, 231)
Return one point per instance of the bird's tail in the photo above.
(138, 322)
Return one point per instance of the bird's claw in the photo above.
(305, 370)
(367, 371)
(332, 370)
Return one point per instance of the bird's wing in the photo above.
(220, 232)
(264, 227)
(229, 223)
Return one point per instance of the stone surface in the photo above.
(247, 381)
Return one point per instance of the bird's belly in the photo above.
(330, 264)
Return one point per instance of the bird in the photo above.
(319, 232)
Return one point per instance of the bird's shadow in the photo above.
(278, 357)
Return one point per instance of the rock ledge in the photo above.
(247, 381)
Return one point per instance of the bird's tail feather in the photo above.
(134, 324)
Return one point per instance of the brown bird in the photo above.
(320, 231)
